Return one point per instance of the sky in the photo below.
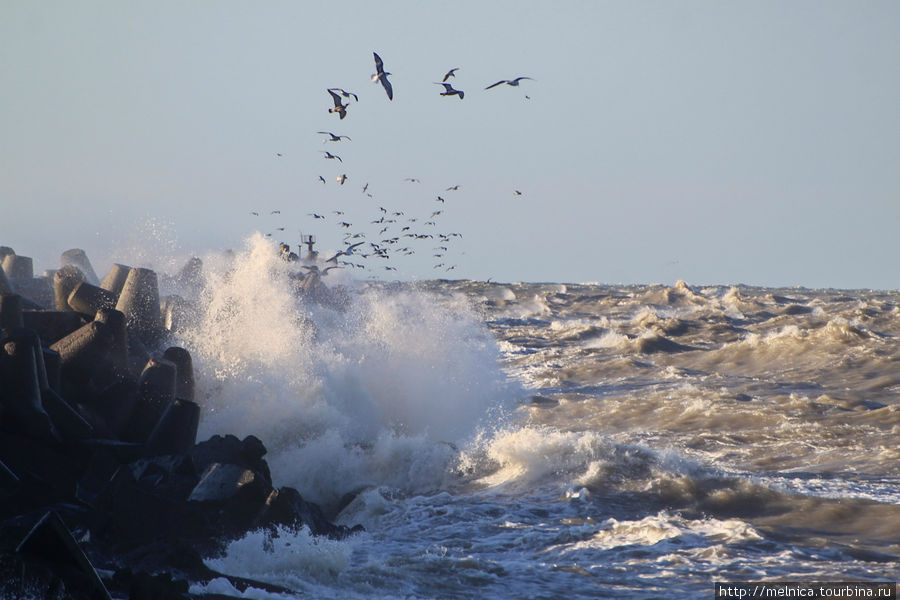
(714, 142)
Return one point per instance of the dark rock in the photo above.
(286, 507)
(87, 299)
(50, 543)
(20, 386)
(11, 311)
(113, 406)
(67, 421)
(184, 377)
(118, 352)
(144, 586)
(64, 281)
(176, 431)
(52, 325)
(156, 390)
(230, 450)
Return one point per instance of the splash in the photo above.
(379, 393)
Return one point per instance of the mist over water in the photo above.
(547, 439)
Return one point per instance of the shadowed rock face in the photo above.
(98, 429)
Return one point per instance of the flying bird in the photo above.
(344, 93)
(334, 137)
(450, 73)
(412, 180)
(512, 82)
(381, 75)
(452, 187)
(339, 108)
(341, 178)
(322, 179)
(330, 155)
(316, 215)
(449, 91)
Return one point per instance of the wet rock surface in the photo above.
(104, 490)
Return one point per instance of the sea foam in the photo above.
(377, 393)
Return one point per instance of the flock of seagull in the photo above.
(398, 234)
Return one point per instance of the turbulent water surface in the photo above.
(547, 440)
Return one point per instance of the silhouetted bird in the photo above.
(334, 137)
(449, 91)
(381, 75)
(512, 82)
(344, 93)
(450, 73)
(330, 155)
(339, 108)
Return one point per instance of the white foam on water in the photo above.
(287, 557)
(375, 394)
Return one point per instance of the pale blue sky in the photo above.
(716, 142)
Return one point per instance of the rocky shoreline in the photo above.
(104, 490)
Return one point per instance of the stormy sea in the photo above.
(547, 440)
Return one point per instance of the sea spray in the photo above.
(379, 393)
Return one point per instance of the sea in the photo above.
(554, 440)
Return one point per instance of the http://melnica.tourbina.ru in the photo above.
(807, 589)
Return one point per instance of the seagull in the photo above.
(330, 155)
(365, 187)
(254, 213)
(412, 180)
(449, 91)
(344, 93)
(339, 108)
(334, 137)
(275, 212)
(450, 73)
(341, 178)
(452, 188)
(512, 82)
(381, 75)
(322, 179)
(517, 193)
(316, 215)
(438, 199)
(345, 252)
(315, 269)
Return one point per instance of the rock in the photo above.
(156, 390)
(286, 507)
(52, 325)
(50, 543)
(176, 431)
(64, 281)
(11, 311)
(139, 301)
(78, 258)
(20, 385)
(184, 372)
(18, 267)
(115, 278)
(229, 449)
(87, 299)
